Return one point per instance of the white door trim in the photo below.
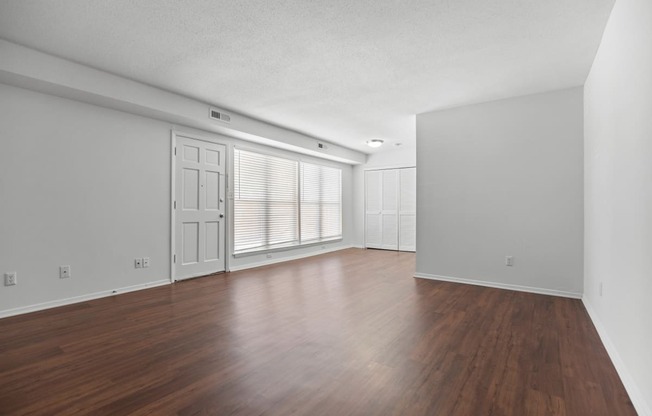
(173, 145)
(173, 193)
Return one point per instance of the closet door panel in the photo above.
(373, 209)
(390, 193)
(407, 209)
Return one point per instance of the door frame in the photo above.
(173, 191)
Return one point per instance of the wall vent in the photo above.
(219, 115)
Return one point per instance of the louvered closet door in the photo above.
(373, 209)
(200, 207)
(407, 215)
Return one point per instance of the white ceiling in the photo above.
(342, 71)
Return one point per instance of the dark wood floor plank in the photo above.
(346, 333)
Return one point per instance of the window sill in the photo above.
(265, 250)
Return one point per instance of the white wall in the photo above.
(80, 186)
(89, 187)
(392, 157)
(618, 195)
(27, 68)
(503, 178)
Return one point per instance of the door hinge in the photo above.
(175, 259)
(175, 204)
(175, 151)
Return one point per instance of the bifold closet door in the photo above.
(407, 214)
(390, 209)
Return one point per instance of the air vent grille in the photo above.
(219, 115)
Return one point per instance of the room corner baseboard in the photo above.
(82, 298)
(519, 288)
(287, 258)
(635, 395)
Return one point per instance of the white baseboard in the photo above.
(287, 258)
(635, 395)
(82, 298)
(519, 288)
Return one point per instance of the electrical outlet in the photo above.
(145, 262)
(11, 279)
(64, 272)
(509, 261)
(138, 263)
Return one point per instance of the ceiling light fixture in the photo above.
(375, 142)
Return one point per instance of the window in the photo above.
(321, 202)
(266, 201)
(281, 202)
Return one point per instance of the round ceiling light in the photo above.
(375, 142)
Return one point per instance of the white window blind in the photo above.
(321, 202)
(272, 210)
(266, 201)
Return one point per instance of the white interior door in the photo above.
(390, 209)
(407, 213)
(200, 181)
(373, 209)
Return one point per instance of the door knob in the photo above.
(221, 215)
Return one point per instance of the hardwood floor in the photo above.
(345, 333)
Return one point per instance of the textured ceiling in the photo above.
(343, 71)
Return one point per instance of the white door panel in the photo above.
(200, 207)
(390, 190)
(407, 237)
(190, 239)
(374, 235)
(407, 232)
(212, 241)
(390, 209)
(408, 186)
(373, 209)
(390, 231)
(373, 191)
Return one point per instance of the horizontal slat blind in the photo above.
(321, 202)
(266, 201)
